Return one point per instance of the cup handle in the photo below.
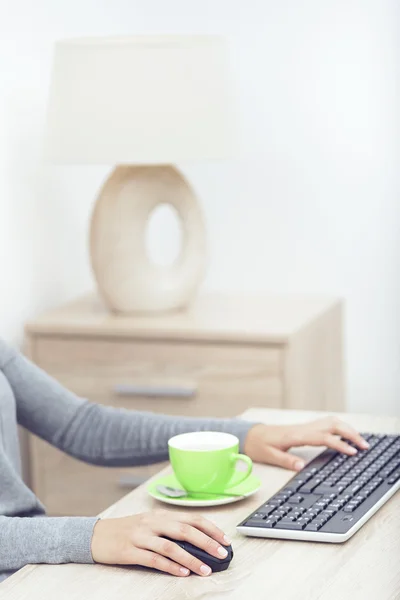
(249, 463)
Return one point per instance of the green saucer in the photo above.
(248, 487)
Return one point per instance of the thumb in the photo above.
(283, 459)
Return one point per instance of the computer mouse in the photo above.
(215, 564)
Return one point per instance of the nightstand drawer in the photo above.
(177, 378)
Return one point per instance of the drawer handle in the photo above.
(188, 390)
(131, 481)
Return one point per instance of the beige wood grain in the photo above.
(226, 374)
(144, 357)
(211, 317)
(314, 364)
(364, 568)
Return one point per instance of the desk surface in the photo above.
(366, 567)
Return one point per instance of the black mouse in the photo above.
(215, 564)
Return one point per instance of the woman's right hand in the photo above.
(139, 540)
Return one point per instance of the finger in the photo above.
(207, 527)
(153, 560)
(348, 432)
(332, 441)
(273, 456)
(179, 556)
(184, 531)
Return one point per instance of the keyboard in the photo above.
(333, 496)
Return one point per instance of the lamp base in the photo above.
(128, 281)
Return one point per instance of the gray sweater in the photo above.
(92, 433)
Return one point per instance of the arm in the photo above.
(93, 433)
(33, 540)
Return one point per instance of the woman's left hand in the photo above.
(270, 443)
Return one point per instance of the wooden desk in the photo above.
(367, 567)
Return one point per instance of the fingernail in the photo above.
(184, 571)
(222, 552)
(298, 465)
(364, 444)
(227, 540)
(353, 450)
(205, 570)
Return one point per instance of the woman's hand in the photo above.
(138, 540)
(270, 443)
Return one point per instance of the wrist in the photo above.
(278, 436)
(254, 436)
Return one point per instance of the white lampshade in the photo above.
(139, 100)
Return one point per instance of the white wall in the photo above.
(310, 206)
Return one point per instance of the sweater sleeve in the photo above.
(94, 433)
(50, 540)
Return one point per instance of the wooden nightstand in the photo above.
(226, 354)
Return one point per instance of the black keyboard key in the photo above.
(342, 502)
(324, 488)
(294, 485)
(363, 479)
(321, 504)
(297, 513)
(267, 509)
(287, 519)
(296, 499)
(331, 496)
(298, 481)
(310, 486)
(322, 518)
(392, 466)
(277, 501)
(291, 525)
(311, 472)
(335, 506)
(313, 526)
(304, 519)
(346, 481)
(255, 523)
(327, 498)
(394, 478)
(258, 515)
(360, 497)
(328, 512)
(311, 513)
(376, 482)
(270, 522)
(317, 509)
(282, 496)
(353, 489)
(363, 494)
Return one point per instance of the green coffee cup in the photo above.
(205, 461)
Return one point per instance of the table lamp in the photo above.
(142, 103)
